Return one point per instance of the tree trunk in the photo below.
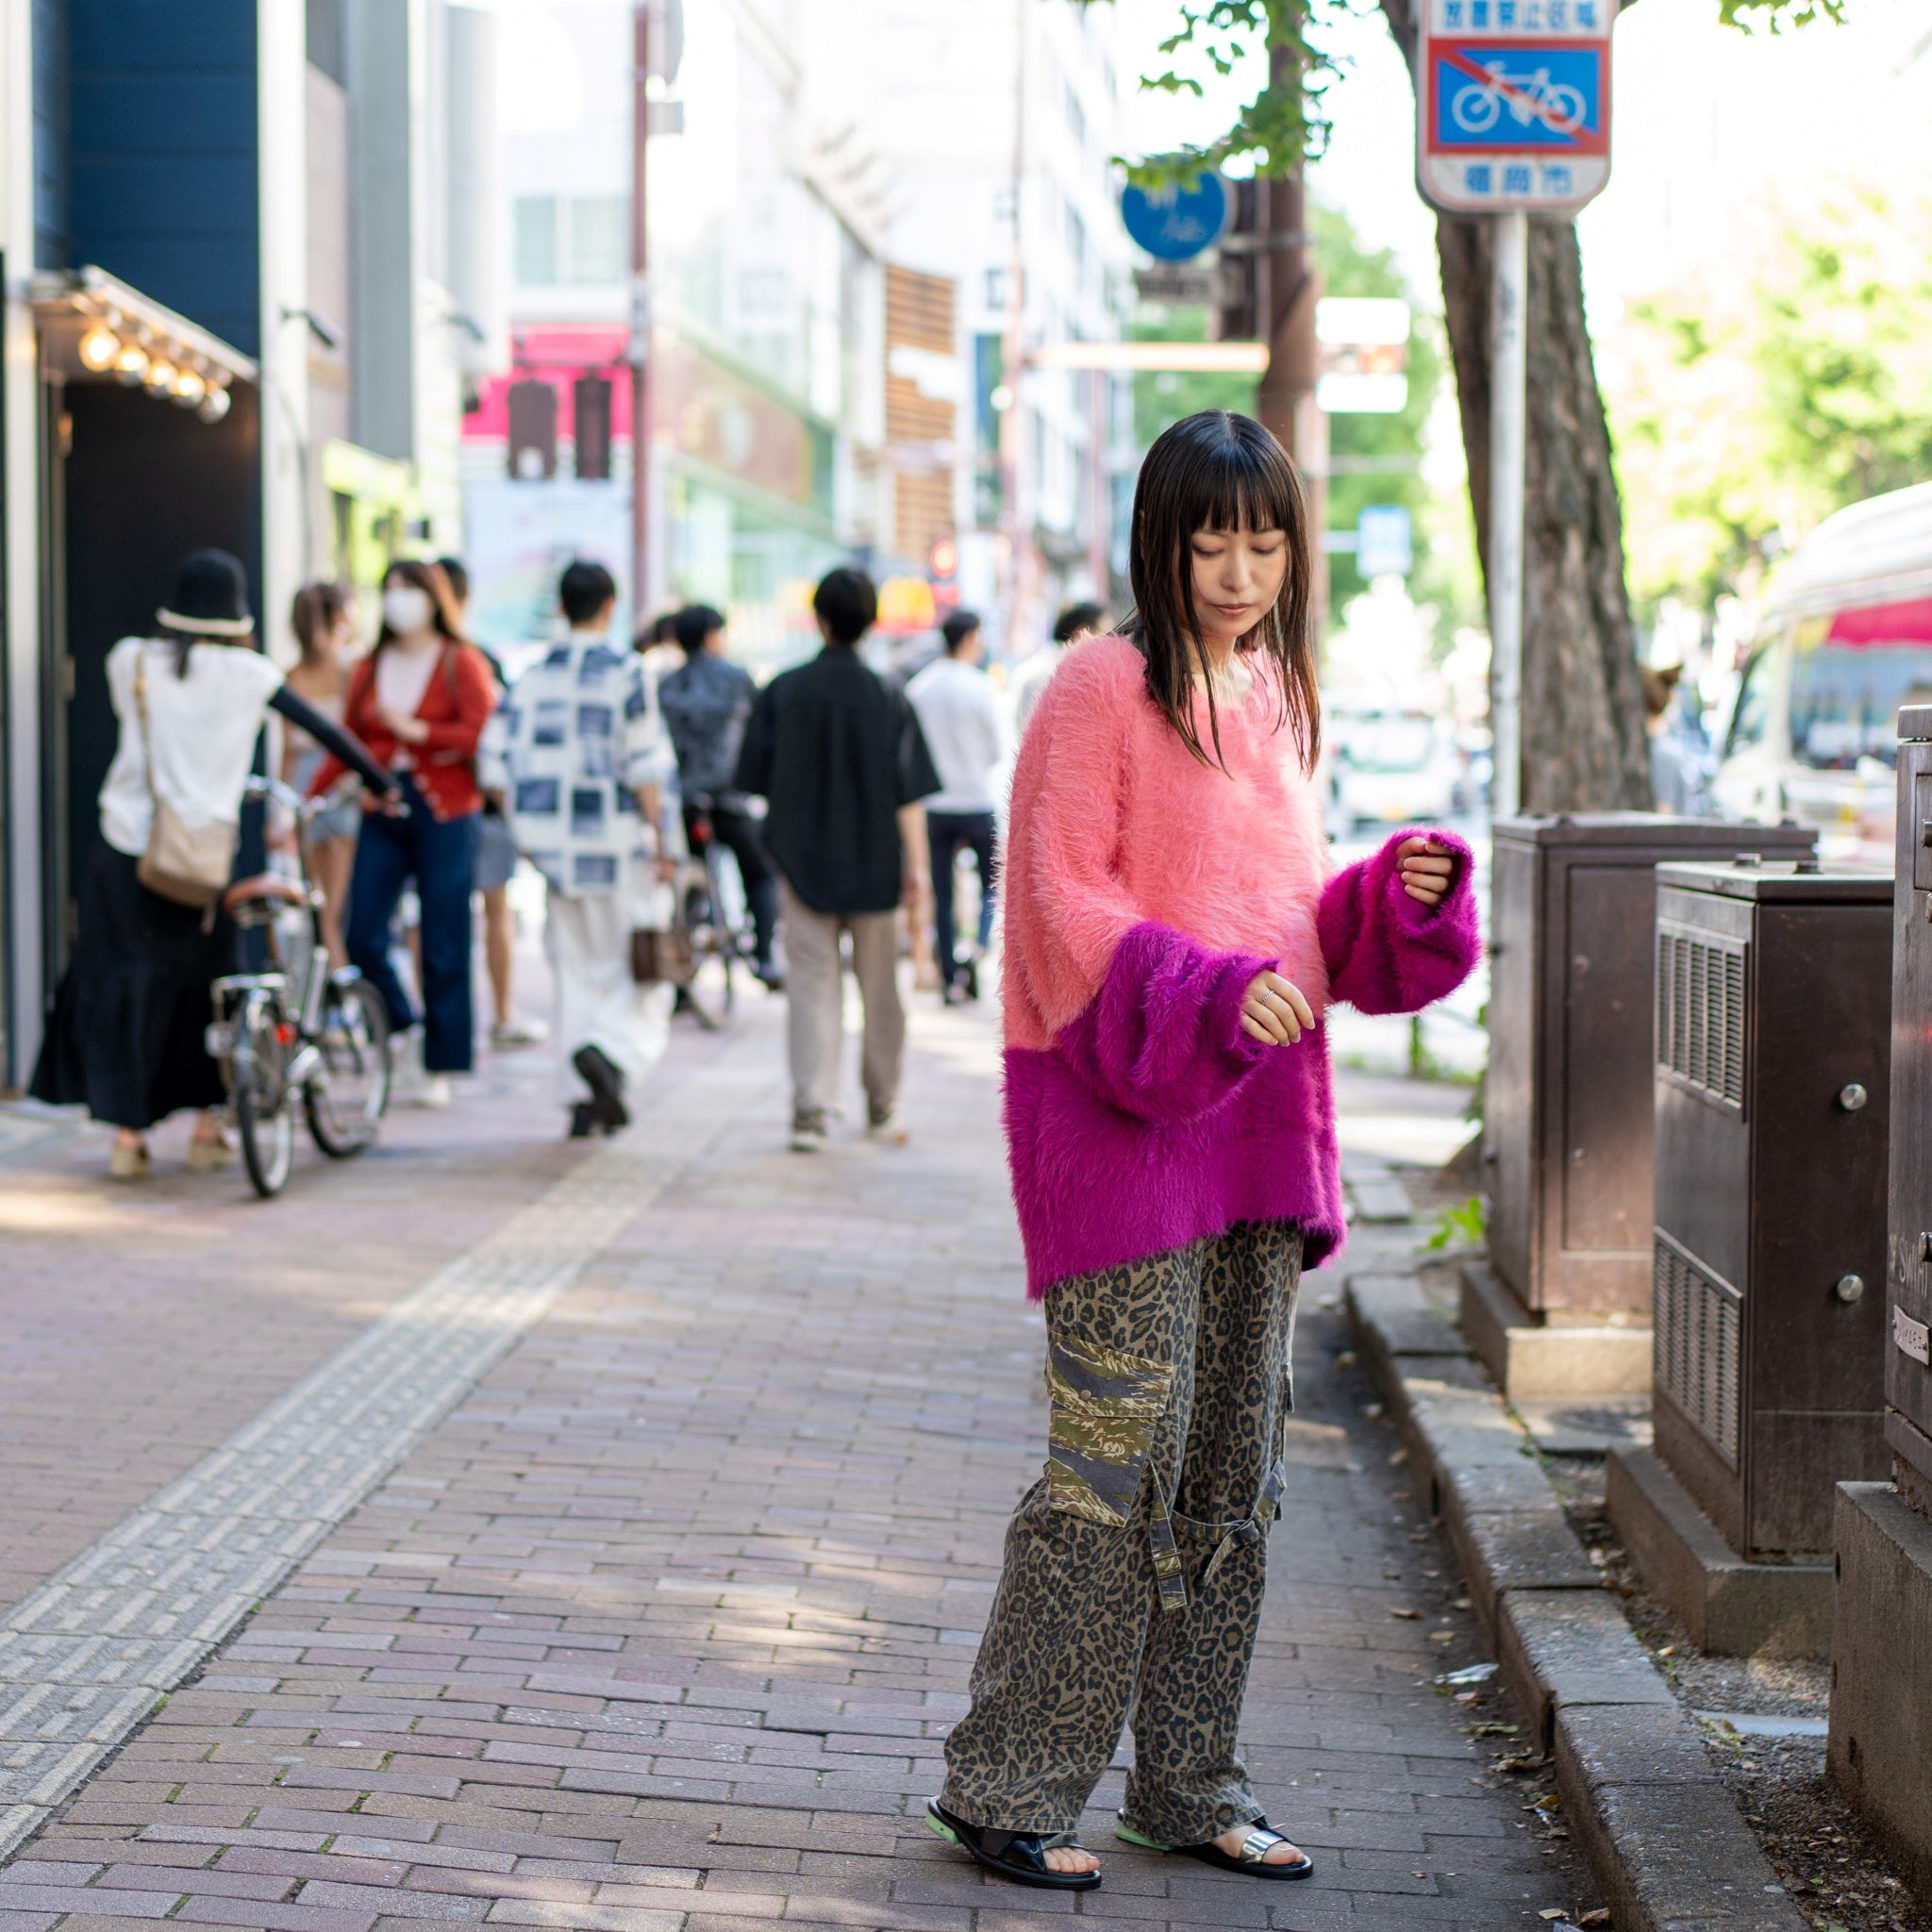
(1584, 747)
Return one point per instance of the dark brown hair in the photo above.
(1219, 470)
(425, 576)
(316, 611)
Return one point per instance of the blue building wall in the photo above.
(161, 178)
(50, 133)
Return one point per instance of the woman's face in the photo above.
(1237, 575)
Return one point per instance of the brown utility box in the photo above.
(1567, 1129)
(1772, 1081)
(1908, 1339)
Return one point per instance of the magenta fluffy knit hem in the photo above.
(1096, 1188)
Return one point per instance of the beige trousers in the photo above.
(815, 994)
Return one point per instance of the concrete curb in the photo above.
(1664, 1838)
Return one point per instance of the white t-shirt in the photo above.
(204, 726)
(958, 711)
(402, 677)
(1029, 680)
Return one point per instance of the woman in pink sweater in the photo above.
(1174, 933)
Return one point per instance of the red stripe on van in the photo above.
(1884, 624)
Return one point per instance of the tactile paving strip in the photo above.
(86, 1656)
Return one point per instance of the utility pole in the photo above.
(639, 347)
(1508, 447)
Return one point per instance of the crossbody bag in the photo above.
(188, 864)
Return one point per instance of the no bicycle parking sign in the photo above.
(1513, 100)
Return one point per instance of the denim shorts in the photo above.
(340, 820)
(496, 853)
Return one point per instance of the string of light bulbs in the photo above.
(110, 345)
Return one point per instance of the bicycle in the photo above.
(299, 1028)
(711, 897)
(1478, 106)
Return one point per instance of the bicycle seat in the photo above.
(261, 895)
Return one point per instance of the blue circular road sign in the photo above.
(1172, 223)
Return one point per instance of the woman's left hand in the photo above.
(1426, 869)
(408, 729)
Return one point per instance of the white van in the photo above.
(1844, 639)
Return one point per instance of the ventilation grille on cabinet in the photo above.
(1700, 1015)
(1698, 1333)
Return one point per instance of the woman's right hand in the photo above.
(1275, 1011)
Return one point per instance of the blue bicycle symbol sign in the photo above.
(1503, 98)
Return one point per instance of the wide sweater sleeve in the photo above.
(1148, 1018)
(1387, 952)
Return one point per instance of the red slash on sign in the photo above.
(1534, 101)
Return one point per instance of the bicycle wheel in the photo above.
(1564, 108)
(709, 997)
(1474, 109)
(349, 1093)
(264, 1122)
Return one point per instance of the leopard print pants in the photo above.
(1134, 1566)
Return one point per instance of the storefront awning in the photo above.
(94, 327)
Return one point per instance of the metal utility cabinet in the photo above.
(1772, 1090)
(1880, 1751)
(1567, 1137)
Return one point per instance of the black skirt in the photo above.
(126, 1036)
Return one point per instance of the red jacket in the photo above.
(456, 705)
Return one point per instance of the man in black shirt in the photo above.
(843, 764)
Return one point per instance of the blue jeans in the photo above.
(946, 833)
(440, 855)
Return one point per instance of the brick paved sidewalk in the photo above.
(662, 1627)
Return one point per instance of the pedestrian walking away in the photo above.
(959, 713)
(420, 701)
(324, 620)
(1174, 933)
(580, 758)
(496, 865)
(1075, 623)
(706, 703)
(843, 766)
(127, 1034)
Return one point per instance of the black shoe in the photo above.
(1015, 1855)
(605, 1083)
(581, 1124)
(968, 979)
(769, 977)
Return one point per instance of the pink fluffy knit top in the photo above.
(1144, 891)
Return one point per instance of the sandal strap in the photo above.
(1260, 1841)
(996, 1843)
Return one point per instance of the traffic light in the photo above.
(532, 430)
(942, 572)
(590, 407)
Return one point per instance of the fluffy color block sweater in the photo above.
(1143, 891)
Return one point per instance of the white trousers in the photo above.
(598, 1004)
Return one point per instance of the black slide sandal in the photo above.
(1015, 1855)
(1250, 1861)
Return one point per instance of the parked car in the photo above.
(1845, 638)
(1393, 768)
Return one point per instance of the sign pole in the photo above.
(1509, 448)
(640, 349)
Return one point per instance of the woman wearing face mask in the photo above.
(323, 621)
(420, 702)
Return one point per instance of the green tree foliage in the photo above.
(1279, 44)
(1749, 406)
